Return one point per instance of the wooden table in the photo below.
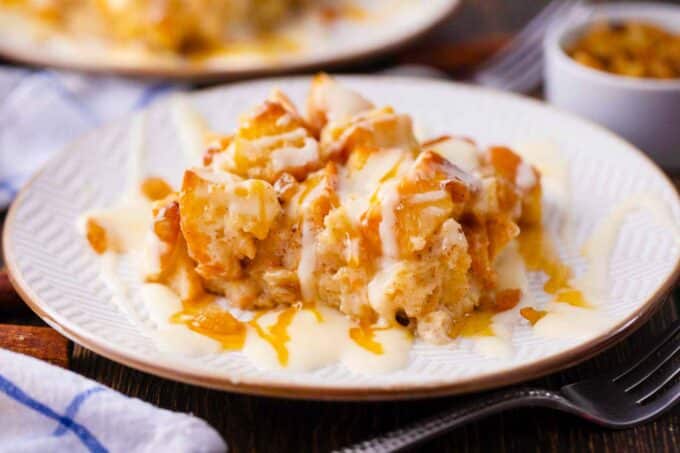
(273, 425)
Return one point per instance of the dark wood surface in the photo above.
(254, 424)
(272, 425)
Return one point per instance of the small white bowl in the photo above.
(644, 111)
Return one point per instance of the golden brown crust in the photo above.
(373, 130)
(223, 218)
(174, 267)
(329, 101)
(270, 141)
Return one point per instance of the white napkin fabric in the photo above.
(44, 408)
(43, 111)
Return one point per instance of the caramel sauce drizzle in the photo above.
(364, 336)
(479, 322)
(315, 311)
(540, 254)
(201, 316)
(532, 315)
(476, 323)
(96, 236)
(307, 187)
(277, 334)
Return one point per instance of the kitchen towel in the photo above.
(43, 111)
(44, 408)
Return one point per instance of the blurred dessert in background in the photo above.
(175, 26)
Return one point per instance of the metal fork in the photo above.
(635, 393)
(518, 66)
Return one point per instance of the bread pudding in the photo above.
(344, 207)
(173, 26)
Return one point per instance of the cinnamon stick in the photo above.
(42, 343)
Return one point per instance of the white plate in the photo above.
(56, 272)
(389, 24)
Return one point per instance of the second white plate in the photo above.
(388, 24)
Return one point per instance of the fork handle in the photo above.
(468, 411)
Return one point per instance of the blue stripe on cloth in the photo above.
(7, 186)
(64, 93)
(74, 405)
(85, 436)
(151, 93)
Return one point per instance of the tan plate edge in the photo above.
(487, 381)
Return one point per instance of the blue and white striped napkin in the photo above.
(43, 111)
(44, 408)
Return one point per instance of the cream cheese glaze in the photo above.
(459, 152)
(320, 339)
(602, 240)
(288, 157)
(314, 337)
(512, 274)
(191, 128)
(356, 188)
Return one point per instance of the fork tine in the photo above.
(666, 354)
(666, 377)
(528, 63)
(519, 66)
(663, 402)
(522, 83)
(532, 73)
(528, 37)
(521, 60)
(538, 22)
(527, 81)
(525, 72)
(632, 376)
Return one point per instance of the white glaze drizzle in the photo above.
(191, 128)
